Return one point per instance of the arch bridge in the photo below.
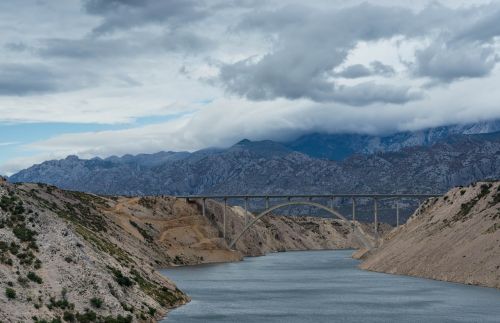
(306, 200)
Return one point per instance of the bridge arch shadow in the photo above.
(282, 205)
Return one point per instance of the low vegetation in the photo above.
(10, 293)
(142, 231)
(466, 208)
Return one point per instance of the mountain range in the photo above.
(427, 161)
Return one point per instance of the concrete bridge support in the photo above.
(375, 218)
(353, 209)
(397, 213)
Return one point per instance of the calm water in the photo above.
(322, 286)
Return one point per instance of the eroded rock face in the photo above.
(60, 256)
(455, 238)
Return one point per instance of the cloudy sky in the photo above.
(109, 77)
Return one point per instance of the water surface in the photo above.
(322, 286)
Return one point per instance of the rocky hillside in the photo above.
(82, 257)
(455, 238)
(60, 258)
(267, 167)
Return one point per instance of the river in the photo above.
(322, 286)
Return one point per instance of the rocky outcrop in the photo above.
(452, 238)
(61, 258)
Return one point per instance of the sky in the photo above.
(111, 77)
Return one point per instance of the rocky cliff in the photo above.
(455, 238)
(76, 256)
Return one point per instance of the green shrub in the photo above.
(62, 304)
(34, 277)
(96, 302)
(24, 234)
(118, 319)
(121, 279)
(14, 248)
(86, 317)
(10, 293)
(22, 281)
(68, 317)
(38, 264)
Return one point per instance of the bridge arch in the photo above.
(271, 209)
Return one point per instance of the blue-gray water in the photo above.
(322, 286)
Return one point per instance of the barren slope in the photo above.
(61, 258)
(456, 238)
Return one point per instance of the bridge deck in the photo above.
(271, 196)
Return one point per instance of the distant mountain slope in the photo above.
(341, 146)
(267, 167)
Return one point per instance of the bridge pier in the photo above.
(397, 213)
(353, 209)
(375, 217)
(246, 210)
(204, 207)
(224, 219)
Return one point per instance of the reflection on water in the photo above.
(322, 286)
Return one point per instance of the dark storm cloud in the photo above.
(186, 41)
(483, 29)
(21, 79)
(33, 79)
(355, 71)
(359, 70)
(378, 68)
(91, 48)
(466, 51)
(266, 86)
(87, 48)
(125, 14)
(370, 92)
(447, 63)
